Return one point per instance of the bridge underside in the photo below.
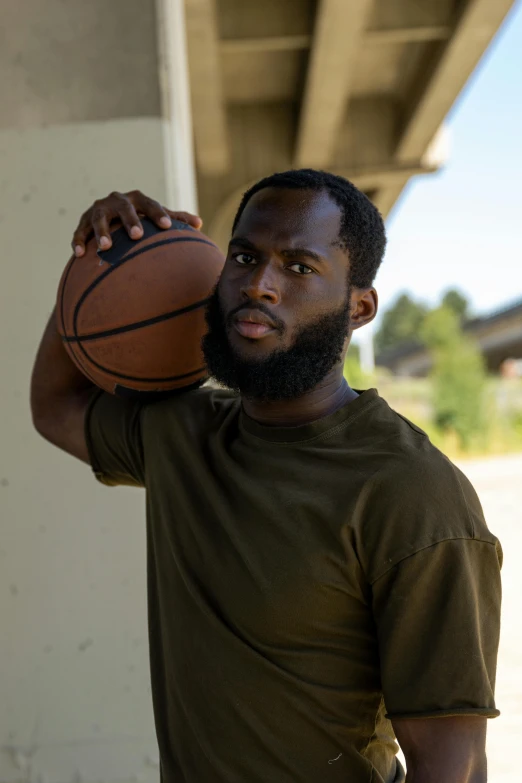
(359, 87)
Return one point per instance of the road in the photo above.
(498, 482)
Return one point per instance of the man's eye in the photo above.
(301, 269)
(244, 258)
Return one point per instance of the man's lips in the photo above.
(252, 330)
(253, 324)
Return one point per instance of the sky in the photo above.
(461, 227)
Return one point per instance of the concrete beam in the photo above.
(208, 108)
(277, 43)
(386, 198)
(401, 35)
(366, 138)
(337, 35)
(394, 178)
(442, 82)
(386, 178)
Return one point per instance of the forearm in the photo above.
(479, 777)
(450, 749)
(56, 382)
(456, 770)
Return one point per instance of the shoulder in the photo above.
(408, 468)
(414, 498)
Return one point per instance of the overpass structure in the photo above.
(359, 87)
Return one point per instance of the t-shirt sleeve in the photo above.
(437, 614)
(436, 596)
(114, 440)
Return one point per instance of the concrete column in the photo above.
(75, 701)
(180, 174)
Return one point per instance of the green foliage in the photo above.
(516, 424)
(456, 301)
(354, 352)
(458, 376)
(353, 372)
(440, 328)
(400, 323)
(502, 415)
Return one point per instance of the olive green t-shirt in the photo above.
(305, 585)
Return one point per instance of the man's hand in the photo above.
(127, 207)
(443, 750)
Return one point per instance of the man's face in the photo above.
(279, 316)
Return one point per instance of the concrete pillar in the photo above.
(180, 174)
(75, 700)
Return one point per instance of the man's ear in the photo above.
(364, 305)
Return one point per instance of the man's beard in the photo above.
(285, 374)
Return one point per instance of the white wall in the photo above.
(75, 700)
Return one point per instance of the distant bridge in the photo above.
(498, 335)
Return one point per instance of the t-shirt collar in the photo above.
(312, 430)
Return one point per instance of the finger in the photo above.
(80, 236)
(155, 212)
(129, 218)
(100, 225)
(186, 217)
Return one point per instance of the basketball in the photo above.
(132, 317)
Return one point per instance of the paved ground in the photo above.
(498, 482)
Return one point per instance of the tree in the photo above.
(457, 302)
(441, 329)
(458, 375)
(400, 323)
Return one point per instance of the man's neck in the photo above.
(326, 398)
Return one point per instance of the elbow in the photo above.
(42, 425)
(41, 413)
(43, 421)
(38, 414)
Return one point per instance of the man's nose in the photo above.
(261, 285)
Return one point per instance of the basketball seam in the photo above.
(112, 269)
(137, 325)
(71, 262)
(81, 363)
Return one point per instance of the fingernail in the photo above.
(165, 222)
(78, 250)
(104, 243)
(135, 232)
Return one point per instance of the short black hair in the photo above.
(362, 231)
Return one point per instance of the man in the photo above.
(318, 572)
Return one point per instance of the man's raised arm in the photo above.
(60, 393)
